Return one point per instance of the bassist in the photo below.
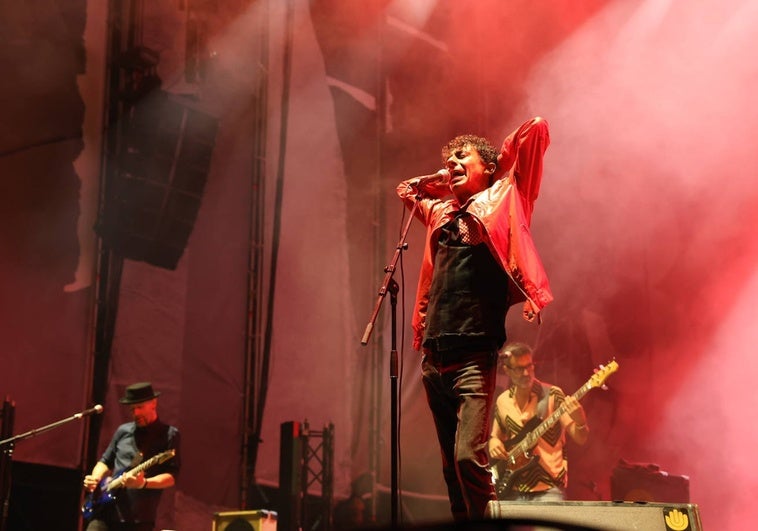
(134, 505)
(541, 472)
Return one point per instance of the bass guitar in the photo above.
(506, 472)
(104, 492)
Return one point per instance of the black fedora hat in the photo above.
(139, 392)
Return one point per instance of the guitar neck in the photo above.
(147, 464)
(119, 481)
(531, 439)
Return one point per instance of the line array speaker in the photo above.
(153, 195)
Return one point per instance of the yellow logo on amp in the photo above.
(676, 520)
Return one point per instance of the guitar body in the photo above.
(506, 474)
(98, 499)
(103, 495)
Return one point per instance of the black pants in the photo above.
(460, 395)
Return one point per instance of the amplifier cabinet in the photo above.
(260, 520)
(647, 482)
(605, 516)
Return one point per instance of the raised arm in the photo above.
(521, 157)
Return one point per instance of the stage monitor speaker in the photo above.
(604, 516)
(260, 520)
(153, 193)
(647, 483)
(44, 497)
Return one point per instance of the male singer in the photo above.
(479, 259)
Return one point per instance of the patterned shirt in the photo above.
(553, 467)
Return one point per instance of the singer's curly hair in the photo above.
(486, 151)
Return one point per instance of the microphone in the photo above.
(423, 179)
(97, 409)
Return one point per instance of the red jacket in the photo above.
(505, 210)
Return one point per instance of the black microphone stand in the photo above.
(6, 456)
(7, 446)
(37, 431)
(390, 285)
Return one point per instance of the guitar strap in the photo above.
(544, 401)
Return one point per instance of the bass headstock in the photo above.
(602, 373)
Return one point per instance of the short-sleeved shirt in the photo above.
(130, 446)
(553, 469)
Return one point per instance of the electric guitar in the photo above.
(104, 492)
(506, 472)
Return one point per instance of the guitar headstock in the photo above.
(165, 456)
(602, 373)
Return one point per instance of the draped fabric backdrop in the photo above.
(645, 224)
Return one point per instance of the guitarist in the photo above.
(136, 503)
(541, 474)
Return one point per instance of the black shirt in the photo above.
(468, 298)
